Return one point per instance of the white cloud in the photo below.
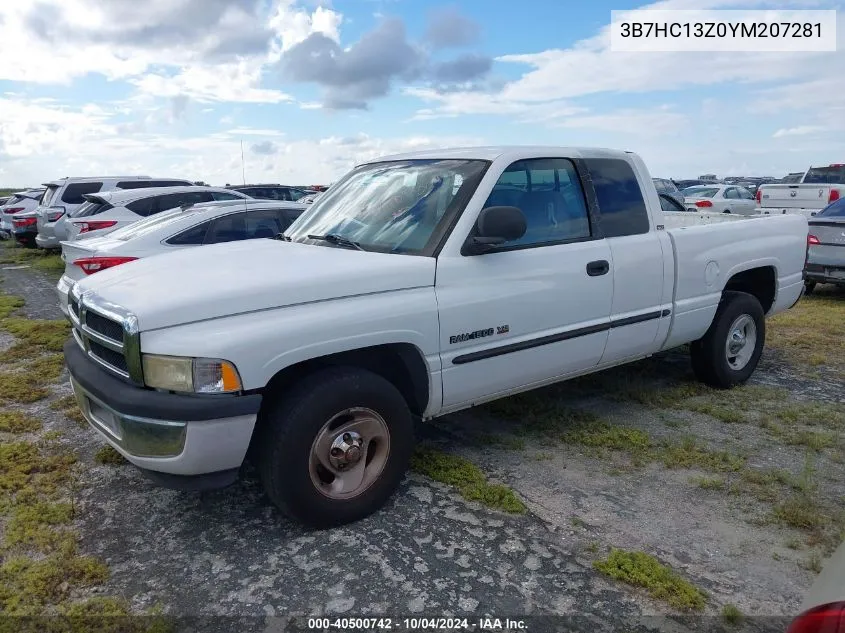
(801, 130)
(161, 52)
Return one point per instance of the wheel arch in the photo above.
(759, 281)
(401, 364)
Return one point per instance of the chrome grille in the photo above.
(104, 326)
(107, 333)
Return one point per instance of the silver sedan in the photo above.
(826, 247)
(720, 199)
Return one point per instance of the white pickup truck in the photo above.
(418, 285)
(818, 188)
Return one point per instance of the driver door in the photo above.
(536, 308)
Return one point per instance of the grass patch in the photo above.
(34, 525)
(69, 407)
(8, 304)
(27, 585)
(467, 478)
(18, 422)
(709, 483)
(661, 582)
(808, 333)
(731, 614)
(20, 387)
(603, 435)
(688, 454)
(108, 456)
(49, 262)
(802, 512)
(813, 563)
(49, 334)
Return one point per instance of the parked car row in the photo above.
(81, 208)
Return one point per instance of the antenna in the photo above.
(243, 167)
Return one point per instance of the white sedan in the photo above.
(209, 223)
(720, 199)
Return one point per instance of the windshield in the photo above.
(392, 207)
(152, 223)
(833, 210)
(700, 192)
(835, 174)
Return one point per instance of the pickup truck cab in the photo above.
(418, 285)
(819, 187)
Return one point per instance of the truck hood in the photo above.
(225, 279)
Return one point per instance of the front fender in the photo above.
(265, 342)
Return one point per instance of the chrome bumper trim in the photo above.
(139, 437)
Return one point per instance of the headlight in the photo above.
(194, 375)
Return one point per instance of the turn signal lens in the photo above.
(812, 240)
(703, 203)
(828, 618)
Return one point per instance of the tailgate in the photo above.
(794, 196)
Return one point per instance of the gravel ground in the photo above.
(429, 552)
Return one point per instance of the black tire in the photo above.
(292, 424)
(709, 358)
(809, 286)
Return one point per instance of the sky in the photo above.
(306, 89)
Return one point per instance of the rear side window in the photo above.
(73, 192)
(835, 174)
(49, 193)
(173, 200)
(91, 208)
(219, 195)
(621, 203)
(192, 236)
(145, 184)
(229, 228)
(143, 207)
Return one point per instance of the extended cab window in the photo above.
(549, 193)
(621, 202)
(73, 192)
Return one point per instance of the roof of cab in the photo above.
(490, 153)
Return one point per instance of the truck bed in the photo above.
(708, 255)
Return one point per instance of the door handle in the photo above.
(597, 268)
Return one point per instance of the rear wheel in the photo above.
(728, 353)
(335, 446)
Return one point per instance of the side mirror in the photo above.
(495, 226)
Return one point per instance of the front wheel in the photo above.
(728, 353)
(335, 447)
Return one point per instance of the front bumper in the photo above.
(174, 434)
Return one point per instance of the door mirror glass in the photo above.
(495, 226)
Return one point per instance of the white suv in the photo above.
(65, 195)
(20, 202)
(103, 213)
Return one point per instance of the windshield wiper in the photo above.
(281, 236)
(339, 240)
